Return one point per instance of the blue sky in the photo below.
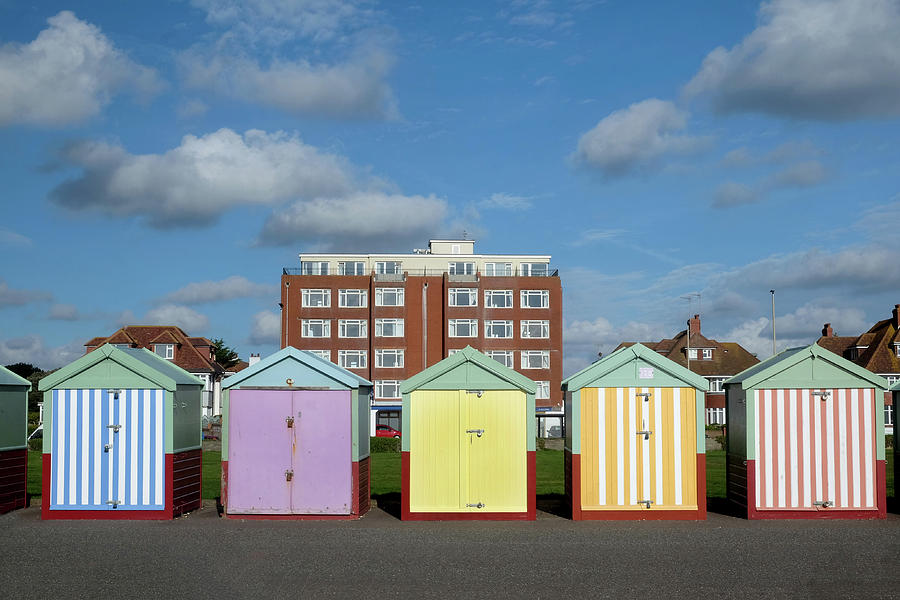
(161, 162)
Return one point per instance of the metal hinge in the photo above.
(477, 432)
(478, 393)
(646, 434)
(645, 395)
(115, 393)
(115, 428)
(823, 395)
(114, 503)
(288, 475)
(289, 421)
(479, 505)
(646, 503)
(824, 503)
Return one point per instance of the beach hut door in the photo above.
(107, 451)
(495, 430)
(322, 460)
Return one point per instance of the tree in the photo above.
(224, 355)
(23, 369)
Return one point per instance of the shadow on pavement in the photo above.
(389, 503)
(554, 504)
(722, 506)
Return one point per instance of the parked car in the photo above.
(555, 431)
(386, 431)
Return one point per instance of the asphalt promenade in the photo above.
(204, 556)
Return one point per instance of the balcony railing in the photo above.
(549, 272)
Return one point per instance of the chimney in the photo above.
(254, 358)
(694, 325)
(827, 331)
(896, 314)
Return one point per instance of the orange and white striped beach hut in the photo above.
(806, 438)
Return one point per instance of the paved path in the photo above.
(203, 556)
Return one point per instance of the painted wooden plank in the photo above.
(436, 459)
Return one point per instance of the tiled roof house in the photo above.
(877, 350)
(714, 360)
(193, 354)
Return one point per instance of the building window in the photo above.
(462, 297)
(387, 267)
(504, 357)
(715, 416)
(388, 296)
(535, 298)
(535, 329)
(535, 359)
(326, 354)
(316, 298)
(353, 299)
(498, 329)
(453, 351)
(892, 379)
(389, 359)
(353, 328)
(387, 388)
(543, 390)
(692, 353)
(897, 349)
(707, 354)
(463, 327)
(352, 359)
(351, 268)
(498, 298)
(888, 415)
(391, 418)
(313, 268)
(316, 328)
(461, 268)
(166, 351)
(122, 345)
(717, 384)
(534, 269)
(498, 269)
(454, 248)
(388, 327)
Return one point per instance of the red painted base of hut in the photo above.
(184, 477)
(362, 485)
(880, 512)
(13, 479)
(573, 497)
(529, 515)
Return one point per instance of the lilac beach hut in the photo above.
(295, 441)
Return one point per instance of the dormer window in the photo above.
(692, 353)
(897, 350)
(707, 354)
(166, 351)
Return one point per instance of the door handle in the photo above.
(289, 421)
(646, 503)
(288, 475)
(477, 432)
(115, 428)
(479, 505)
(824, 503)
(107, 447)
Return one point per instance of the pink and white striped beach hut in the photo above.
(806, 438)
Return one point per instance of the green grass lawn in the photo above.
(386, 473)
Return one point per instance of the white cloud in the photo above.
(288, 39)
(266, 328)
(32, 349)
(187, 318)
(505, 201)
(279, 21)
(373, 220)
(732, 193)
(193, 184)
(801, 327)
(13, 297)
(229, 288)
(812, 59)
(192, 108)
(636, 138)
(67, 74)
(64, 312)
(356, 88)
(582, 339)
(11, 238)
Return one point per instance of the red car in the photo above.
(386, 431)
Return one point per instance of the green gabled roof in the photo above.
(786, 359)
(150, 366)
(468, 355)
(622, 356)
(7, 377)
(896, 387)
(313, 361)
